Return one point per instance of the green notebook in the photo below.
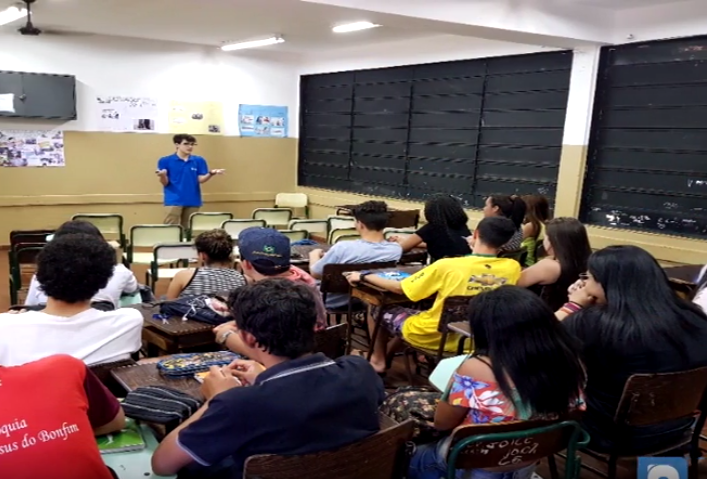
(127, 440)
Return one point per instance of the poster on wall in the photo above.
(196, 117)
(25, 148)
(127, 113)
(262, 120)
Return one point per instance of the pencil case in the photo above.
(182, 365)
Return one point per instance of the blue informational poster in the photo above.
(263, 121)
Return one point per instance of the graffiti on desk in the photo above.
(509, 452)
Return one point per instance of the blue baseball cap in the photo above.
(266, 249)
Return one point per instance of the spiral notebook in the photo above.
(128, 440)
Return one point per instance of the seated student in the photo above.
(51, 410)
(294, 401)
(71, 269)
(511, 207)
(567, 245)
(466, 276)
(371, 219)
(445, 234)
(121, 282)
(536, 217)
(216, 273)
(525, 366)
(630, 322)
(265, 254)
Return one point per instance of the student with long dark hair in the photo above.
(525, 366)
(536, 216)
(445, 232)
(567, 246)
(631, 322)
(511, 207)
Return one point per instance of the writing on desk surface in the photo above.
(514, 450)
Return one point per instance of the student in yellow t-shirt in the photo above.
(465, 276)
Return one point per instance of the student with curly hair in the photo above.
(216, 273)
(296, 402)
(122, 281)
(71, 269)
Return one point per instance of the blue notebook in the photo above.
(394, 275)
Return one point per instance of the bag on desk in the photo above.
(204, 308)
(160, 405)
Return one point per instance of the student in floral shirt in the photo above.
(526, 366)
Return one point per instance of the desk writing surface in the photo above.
(136, 464)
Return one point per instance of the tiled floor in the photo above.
(396, 377)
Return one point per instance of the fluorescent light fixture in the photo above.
(353, 27)
(12, 14)
(252, 44)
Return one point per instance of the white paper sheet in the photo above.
(122, 113)
(7, 102)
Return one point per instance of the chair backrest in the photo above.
(29, 236)
(400, 233)
(454, 310)
(331, 341)
(295, 235)
(336, 233)
(310, 226)
(234, 227)
(349, 237)
(650, 399)
(273, 216)
(204, 221)
(404, 218)
(147, 236)
(340, 222)
(175, 251)
(103, 372)
(107, 223)
(333, 280)
(376, 457)
(513, 445)
(291, 200)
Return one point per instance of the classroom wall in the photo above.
(575, 140)
(114, 172)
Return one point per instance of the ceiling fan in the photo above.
(30, 30)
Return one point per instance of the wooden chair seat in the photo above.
(379, 456)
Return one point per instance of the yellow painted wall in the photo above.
(569, 190)
(115, 173)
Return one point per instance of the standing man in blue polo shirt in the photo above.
(182, 174)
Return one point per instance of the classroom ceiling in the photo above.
(621, 4)
(306, 27)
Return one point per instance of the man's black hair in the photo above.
(73, 267)
(495, 231)
(373, 214)
(279, 313)
(179, 138)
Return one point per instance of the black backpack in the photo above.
(196, 308)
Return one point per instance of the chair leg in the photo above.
(695, 455)
(552, 464)
(408, 368)
(611, 472)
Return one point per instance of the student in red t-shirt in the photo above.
(50, 412)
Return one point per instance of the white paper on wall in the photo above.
(125, 113)
(28, 148)
(7, 102)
